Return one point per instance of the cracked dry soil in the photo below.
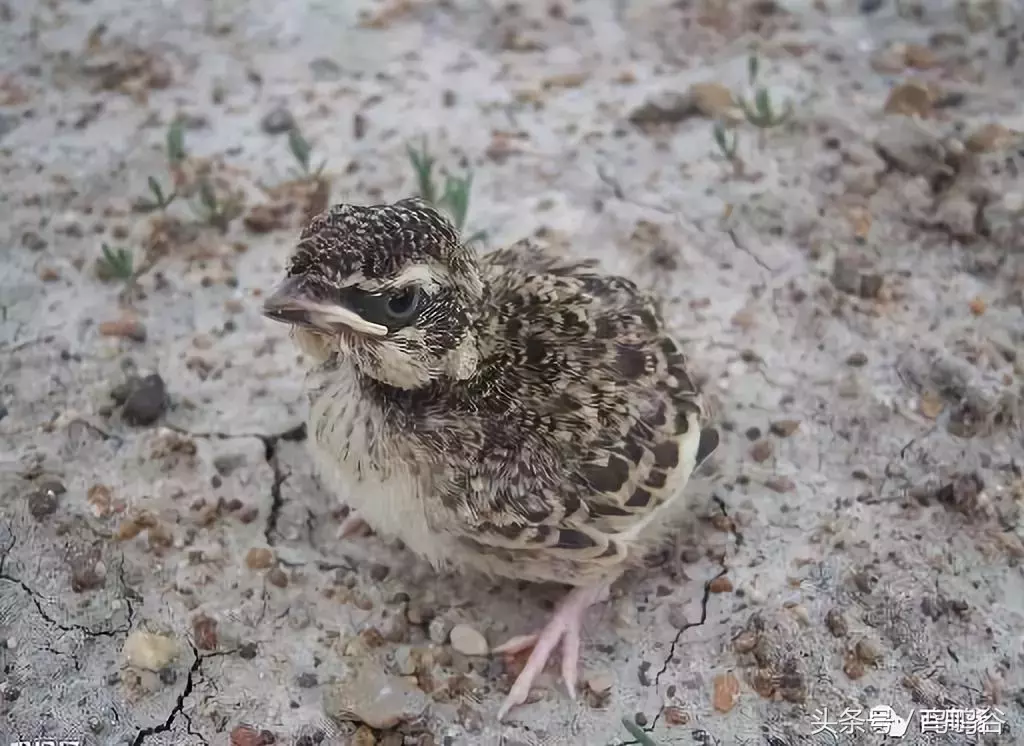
(848, 282)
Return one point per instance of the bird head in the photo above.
(389, 286)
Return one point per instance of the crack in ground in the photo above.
(295, 434)
(191, 731)
(61, 654)
(705, 600)
(276, 499)
(179, 704)
(35, 596)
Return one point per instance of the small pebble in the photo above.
(784, 428)
(248, 650)
(146, 401)
(126, 328)
(745, 641)
(721, 584)
(468, 641)
(306, 680)
(277, 577)
(726, 692)
(277, 121)
(853, 666)
(857, 360)
(438, 630)
(246, 735)
(405, 661)
(324, 68)
(225, 464)
(780, 484)
(42, 501)
(600, 682)
(762, 450)
(259, 558)
(836, 623)
(33, 241)
(868, 651)
(88, 572)
(204, 632)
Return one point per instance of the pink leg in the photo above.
(353, 525)
(564, 626)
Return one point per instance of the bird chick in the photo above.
(518, 413)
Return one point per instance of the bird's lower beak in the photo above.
(291, 303)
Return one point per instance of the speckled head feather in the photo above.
(377, 246)
(390, 286)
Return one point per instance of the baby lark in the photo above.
(517, 413)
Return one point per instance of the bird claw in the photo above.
(562, 630)
(517, 644)
(353, 525)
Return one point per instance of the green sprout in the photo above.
(115, 264)
(454, 196)
(176, 153)
(638, 733)
(214, 211)
(753, 68)
(160, 200)
(423, 164)
(762, 113)
(301, 150)
(726, 139)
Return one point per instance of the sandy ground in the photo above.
(849, 282)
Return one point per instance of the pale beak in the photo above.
(291, 303)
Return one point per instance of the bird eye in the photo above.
(403, 303)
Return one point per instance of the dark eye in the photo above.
(403, 303)
(394, 309)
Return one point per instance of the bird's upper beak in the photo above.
(293, 303)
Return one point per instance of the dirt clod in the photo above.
(146, 400)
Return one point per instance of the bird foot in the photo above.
(353, 525)
(564, 627)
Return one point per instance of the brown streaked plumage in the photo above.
(517, 413)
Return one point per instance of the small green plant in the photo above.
(726, 139)
(176, 153)
(453, 197)
(456, 196)
(115, 264)
(423, 165)
(761, 111)
(641, 736)
(159, 201)
(301, 150)
(213, 210)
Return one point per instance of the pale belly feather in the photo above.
(367, 472)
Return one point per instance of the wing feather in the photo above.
(599, 411)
